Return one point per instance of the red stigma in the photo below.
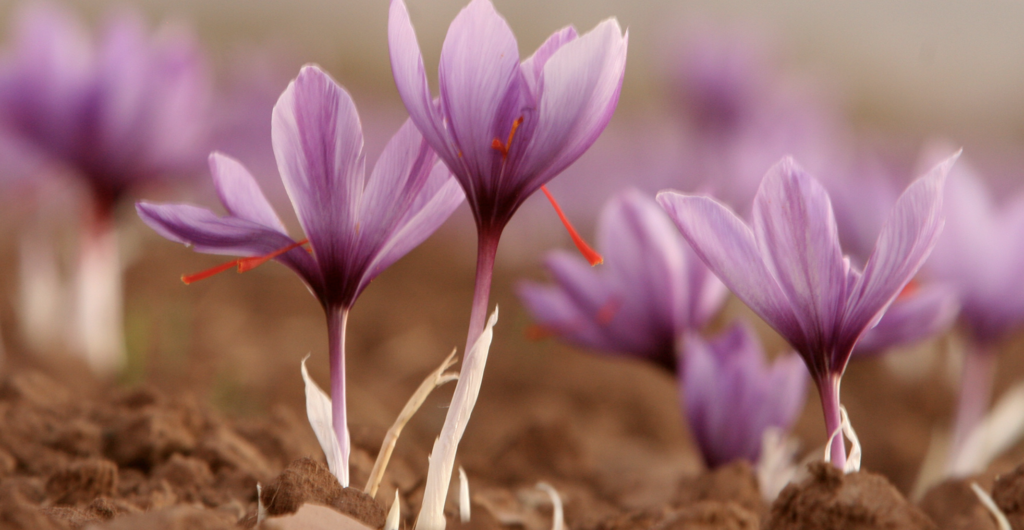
(243, 264)
(504, 148)
(592, 256)
(909, 290)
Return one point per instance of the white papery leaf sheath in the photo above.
(997, 432)
(318, 409)
(442, 458)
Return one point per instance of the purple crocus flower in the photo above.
(356, 227)
(116, 115)
(651, 289)
(504, 128)
(789, 268)
(731, 396)
(981, 255)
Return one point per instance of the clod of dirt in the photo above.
(177, 518)
(98, 511)
(83, 482)
(309, 481)
(637, 520)
(1008, 492)
(149, 436)
(954, 506)
(733, 482)
(857, 501)
(18, 514)
(189, 477)
(711, 515)
(35, 389)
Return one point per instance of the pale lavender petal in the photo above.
(479, 78)
(727, 247)
(907, 238)
(430, 210)
(205, 232)
(644, 260)
(581, 84)
(411, 80)
(731, 396)
(556, 312)
(318, 143)
(912, 318)
(397, 180)
(796, 233)
(533, 66)
(240, 194)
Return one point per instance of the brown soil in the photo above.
(212, 404)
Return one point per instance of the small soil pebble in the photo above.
(857, 501)
(954, 506)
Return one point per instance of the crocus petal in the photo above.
(411, 80)
(206, 232)
(240, 194)
(909, 319)
(420, 222)
(478, 77)
(907, 238)
(398, 179)
(533, 67)
(796, 233)
(318, 143)
(581, 81)
(727, 247)
(318, 410)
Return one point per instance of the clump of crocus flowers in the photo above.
(651, 300)
(787, 265)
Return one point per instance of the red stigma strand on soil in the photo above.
(592, 256)
(243, 264)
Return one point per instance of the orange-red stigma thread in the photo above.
(592, 256)
(504, 148)
(243, 264)
(909, 290)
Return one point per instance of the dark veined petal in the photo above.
(796, 234)
(206, 232)
(479, 82)
(318, 143)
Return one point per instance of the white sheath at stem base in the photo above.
(98, 305)
(442, 457)
(318, 410)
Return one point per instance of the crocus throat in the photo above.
(243, 264)
(503, 148)
(592, 256)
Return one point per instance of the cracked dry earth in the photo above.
(212, 404)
